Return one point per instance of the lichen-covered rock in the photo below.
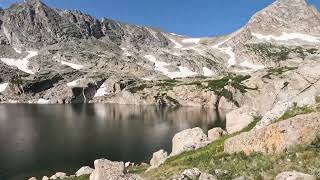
(188, 139)
(294, 175)
(277, 137)
(216, 133)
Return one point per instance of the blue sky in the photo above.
(196, 18)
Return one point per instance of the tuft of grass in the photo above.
(312, 51)
(137, 169)
(317, 99)
(279, 53)
(84, 177)
(295, 111)
(278, 71)
(252, 124)
(219, 86)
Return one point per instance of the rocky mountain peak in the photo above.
(286, 16)
(34, 2)
(291, 2)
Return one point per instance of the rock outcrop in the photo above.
(277, 137)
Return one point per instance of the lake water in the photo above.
(39, 140)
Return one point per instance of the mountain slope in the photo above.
(65, 56)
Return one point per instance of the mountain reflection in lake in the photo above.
(43, 139)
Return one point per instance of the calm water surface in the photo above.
(39, 140)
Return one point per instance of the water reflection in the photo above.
(42, 139)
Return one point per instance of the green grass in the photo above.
(279, 53)
(295, 111)
(217, 85)
(255, 166)
(202, 158)
(84, 177)
(137, 169)
(318, 99)
(278, 71)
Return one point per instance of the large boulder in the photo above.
(277, 137)
(188, 139)
(86, 170)
(239, 119)
(107, 170)
(158, 158)
(293, 175)
(215, 134)
(104, 169)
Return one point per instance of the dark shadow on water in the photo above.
(39, 140)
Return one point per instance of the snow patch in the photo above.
(174, 34)
(43, 101)
(12, 101)
(21, 64)
(231, 54)
(72, 65)
(207, 72)
(74, 83)
(249, 65)
(288, 36)
(161, 67)
(176, 54)
(228, 51)
(177, 45)
(125, 52)
(191, 40)
(147, 79)
(102, 91)
(17, 50)
(3, 86)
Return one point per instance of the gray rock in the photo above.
(158, 158)
(216, 133)
(194, 174)
(45, 178)
(86, 170)
(206, 176)
(188, 139)
(106, 170)
(294, 175)
(239, 119)
(61, 175)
